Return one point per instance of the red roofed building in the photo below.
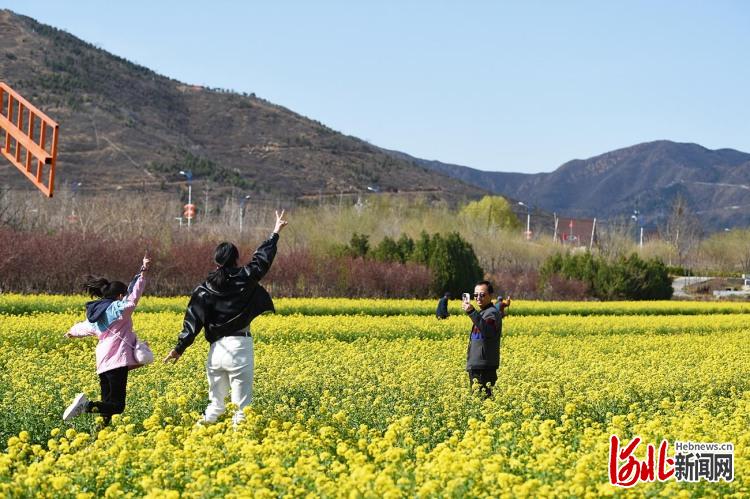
(575, 231)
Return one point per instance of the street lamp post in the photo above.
(528, 220)
(242, 209)
(74, 185)
(189, 176)
(636, 216)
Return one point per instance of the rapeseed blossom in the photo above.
(375, 403)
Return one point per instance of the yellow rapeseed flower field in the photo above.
(369, 398)
(20, 304)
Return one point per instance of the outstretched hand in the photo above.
(173, 357)
(280, 222)
(146, 261)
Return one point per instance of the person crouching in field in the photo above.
(483, 353)
(110, 319)
(223, 306)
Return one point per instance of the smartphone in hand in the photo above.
(466, 297)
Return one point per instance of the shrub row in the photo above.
(626, 278)
(451, 259)
(56, 263)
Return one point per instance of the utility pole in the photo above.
(190, 199)
(242, 209)
(528, 220)
(593, 229)
(189, 208)
(636, 216)
(205, 206)
(554, 235)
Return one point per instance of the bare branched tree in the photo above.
(728, 251)
(12, 212)
(615, 238)
(682, 230)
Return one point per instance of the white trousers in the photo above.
(229, 367)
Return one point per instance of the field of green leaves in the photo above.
(369, 398)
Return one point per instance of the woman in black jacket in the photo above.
(223, 307)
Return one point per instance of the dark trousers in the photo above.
(113, 384)
(486, 378)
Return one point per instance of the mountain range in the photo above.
(647, 178)
(123, 126)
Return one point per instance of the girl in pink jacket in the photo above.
(110, 319)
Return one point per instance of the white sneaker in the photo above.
(76, 407)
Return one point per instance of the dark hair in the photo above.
(490, 290)
(447, 294)
(102, 288)
(225, 257)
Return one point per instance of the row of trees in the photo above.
(488, 224)
(389, 229)
(625, 278)
(451, 259)
(454, 267)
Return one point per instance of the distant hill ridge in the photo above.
(125, 125)
(647, 177)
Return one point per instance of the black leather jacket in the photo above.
(220, 313)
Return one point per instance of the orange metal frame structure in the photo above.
(28, 136)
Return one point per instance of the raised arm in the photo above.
(135, 289)
(503, 307)
(126, 306)
(263, 257)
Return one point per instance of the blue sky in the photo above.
(505, 86)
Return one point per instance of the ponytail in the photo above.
(99, 287)
(225, 257)
(95, 286)
(218, 278)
